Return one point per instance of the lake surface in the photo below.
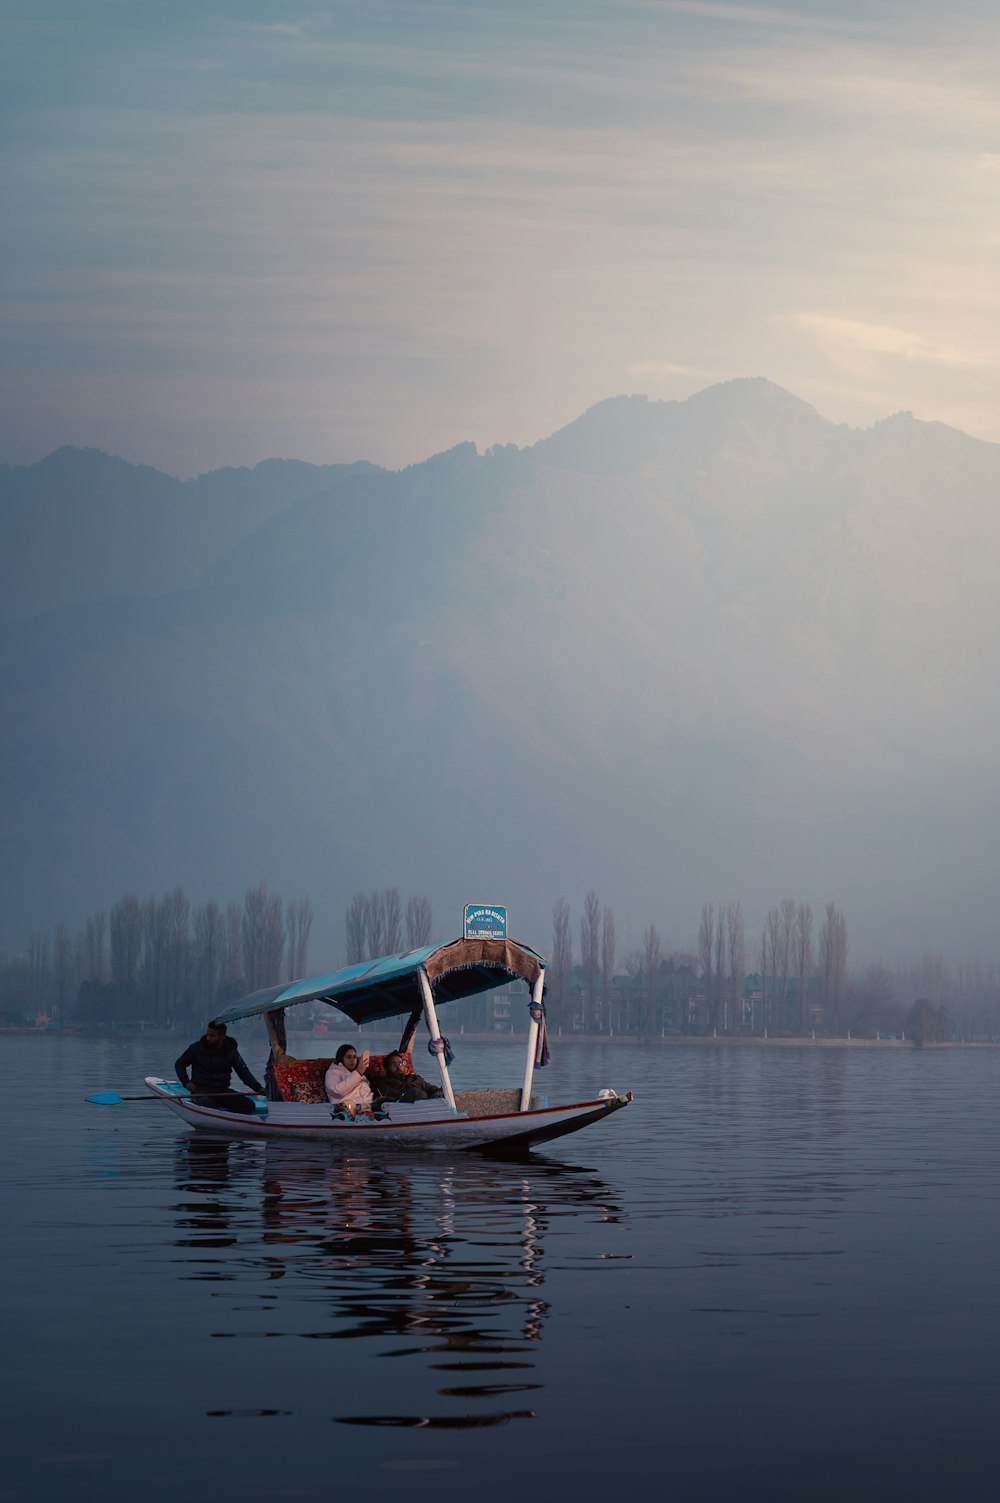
(774, 1276)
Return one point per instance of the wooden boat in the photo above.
(414, 984)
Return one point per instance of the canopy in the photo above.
(388, 987)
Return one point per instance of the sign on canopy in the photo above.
(485, 921)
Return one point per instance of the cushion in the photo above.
(302, 1079)
(488, 1103)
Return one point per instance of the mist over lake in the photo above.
(678, 651)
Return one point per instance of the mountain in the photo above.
(82, 525)
(679, 651)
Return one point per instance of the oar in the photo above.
(112, 1098)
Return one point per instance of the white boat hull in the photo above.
(426, 1129)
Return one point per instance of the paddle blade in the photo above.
(106, 1098)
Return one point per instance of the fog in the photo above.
(719, 650)
(504, 574)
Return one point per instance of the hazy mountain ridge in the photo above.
(82, 525)
(713, 676)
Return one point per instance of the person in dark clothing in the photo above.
(212, 1061)
(397, 1085)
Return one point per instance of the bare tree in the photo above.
(737, 957)
(356, 929)
(418, 923)
(95, 960)
(840, 962)
(871, 1004)
(38, 970)
(209, 953)
(263, 934)
(706, 947)
(126, 941)
(62, 967)
(252, 933)
(932, 976)
(635, 965)
(232, 965)
(771, 963)
(719, 969)
(80, 974)
(175, 926)
(562, 954)
(651, 956)
(826, 962)
(833, 963)
(274, 940)
(802, 947)
(785, 953)
(927, 1023)
(298, 921)
(393, 909)
(375, 927)
(590, 952)
(153, 960)
(608, 960)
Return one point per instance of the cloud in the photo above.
(753, 15)
(469, 224)
(661, 370)
(834, 334)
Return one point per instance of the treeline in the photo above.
(376, 924)
(160, 963)
(157, 962)
(791, 978)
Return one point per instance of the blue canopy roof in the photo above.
(388, 987)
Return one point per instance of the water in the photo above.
(774, 1276)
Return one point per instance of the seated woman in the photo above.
(345, 1079)
(397, 1085)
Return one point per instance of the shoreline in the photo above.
(627, 1040)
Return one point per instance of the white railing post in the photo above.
(430, 1015)
(529, 1064)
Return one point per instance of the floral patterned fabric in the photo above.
(302, 1079)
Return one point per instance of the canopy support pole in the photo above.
(430, 1014)
(529, 1064)
(277, 1048)
(277, 1036)
(406, 1042)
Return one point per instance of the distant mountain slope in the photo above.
(82, 525)
(637, 436)
(680, 650)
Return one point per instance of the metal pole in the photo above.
(430, 1016)
(529, 1064)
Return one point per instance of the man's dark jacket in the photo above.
(403, 1088)
(212, 1069)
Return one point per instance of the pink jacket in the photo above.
(346, 1087)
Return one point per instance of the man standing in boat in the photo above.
(212, 1060)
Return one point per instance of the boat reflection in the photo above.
(438, 1260)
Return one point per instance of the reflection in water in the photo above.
(246, 1413)
(435, 1258)
(203, 1169)
(438, 1422)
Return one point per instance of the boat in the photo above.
(413, 984)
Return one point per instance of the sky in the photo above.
(237, 229)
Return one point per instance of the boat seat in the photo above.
(302, 1079)
(488, 1103)
(420, 1111)
(298, 1113)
